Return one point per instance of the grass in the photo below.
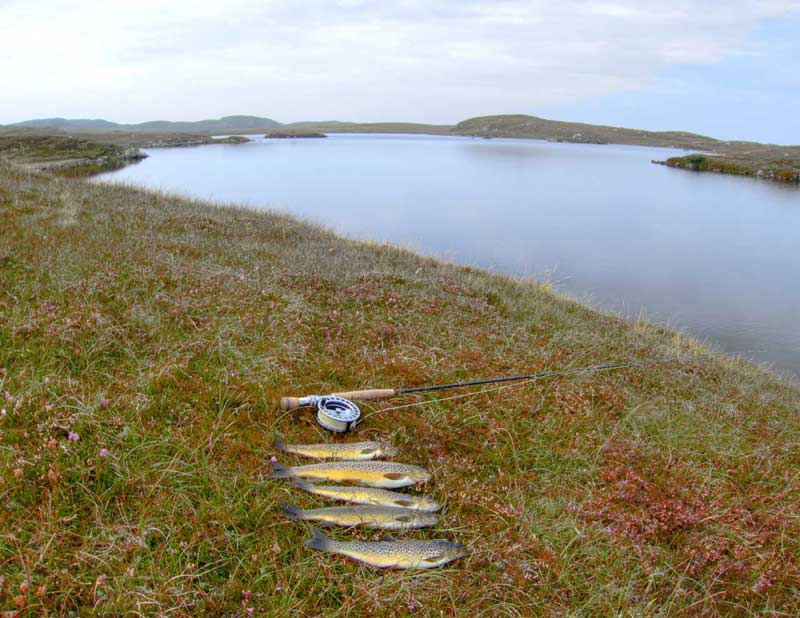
(144, 343)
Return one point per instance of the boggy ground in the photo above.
(145, 341)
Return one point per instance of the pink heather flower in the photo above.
(104, 402)
(103, 453)
(72, 436)
(273, 459)
(2, 412)
(242, 277)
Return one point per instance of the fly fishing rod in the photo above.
(337, 412)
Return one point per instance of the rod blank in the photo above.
(290, 403)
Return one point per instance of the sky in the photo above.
(728, 69)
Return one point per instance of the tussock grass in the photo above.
(145, 341)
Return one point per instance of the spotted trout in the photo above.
(376, 517)
(354, 451)
(390, 552)
(369, 495)
(384, 474)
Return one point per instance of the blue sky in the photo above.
(727, 69)
(752, 94)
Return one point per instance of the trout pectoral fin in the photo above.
(368, 451)
(432, 558)
(402, 518)
(404, 502)
(395, 476)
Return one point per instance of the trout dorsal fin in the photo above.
(388, 538)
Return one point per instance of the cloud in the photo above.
(357, 59)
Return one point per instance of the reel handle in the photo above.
(290, 403)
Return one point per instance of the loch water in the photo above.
(717, 257)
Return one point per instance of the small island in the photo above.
(293, 134)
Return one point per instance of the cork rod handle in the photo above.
(290, 403)
(377, 393)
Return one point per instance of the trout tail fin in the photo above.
(318, 540)
(279, 443)
(279, 471)
(301, 484)
(292, 512)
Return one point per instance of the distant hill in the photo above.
(67, 124)
(576, 132)
(336, 126)
(228, 124)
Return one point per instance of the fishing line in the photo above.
(520, 381)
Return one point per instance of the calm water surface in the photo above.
(715, 256)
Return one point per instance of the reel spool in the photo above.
(337, 414)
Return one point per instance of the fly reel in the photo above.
(337, 414)
(334, 413)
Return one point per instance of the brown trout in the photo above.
(390, 552)
(382, 517)
(354, 451)
(385, 474)
(369, 495)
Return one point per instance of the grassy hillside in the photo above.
(145, 340)
(577, 132)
